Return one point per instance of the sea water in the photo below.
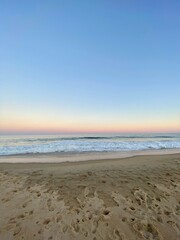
(21, 144)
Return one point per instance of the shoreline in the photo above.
(62, 157)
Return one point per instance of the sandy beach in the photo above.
(129, 198)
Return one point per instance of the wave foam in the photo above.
(82, 145)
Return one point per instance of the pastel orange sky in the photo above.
(79, 124)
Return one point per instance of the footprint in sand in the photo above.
(58, 218)
(46, 221)
(40, 231)
(89, 173)
(132, 208)
(106, 212)
(174, 225)
(158, 199)
(82, 176)
(31, 212)
(21, 216)
(9, 226)
(12, 220)
(147, 230)
(17, 231)
(118, 235)
(65, 228)
(177, 209)
(38, 194)
(88, 215)
(159, 219)
(167, 213)
(49, 204)
(142, 197)
(24, 205)
(75, 226)
(119, 199)
(4, 200)
(124, 219)
(38, 172)
(94, 226)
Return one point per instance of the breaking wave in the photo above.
(46, 144)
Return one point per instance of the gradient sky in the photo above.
(89, 66)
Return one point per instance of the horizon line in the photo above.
(88, 132)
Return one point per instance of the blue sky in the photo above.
(89, 66)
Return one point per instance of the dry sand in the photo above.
(127, 199)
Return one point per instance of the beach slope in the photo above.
(127, 199)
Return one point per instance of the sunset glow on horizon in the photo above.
(89, 67)
(74, 126)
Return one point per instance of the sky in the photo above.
(89, 66)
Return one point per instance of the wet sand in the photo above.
(59, 157)
(128, 199)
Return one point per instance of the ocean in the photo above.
(21, 144)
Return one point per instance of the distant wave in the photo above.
(47, 139)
